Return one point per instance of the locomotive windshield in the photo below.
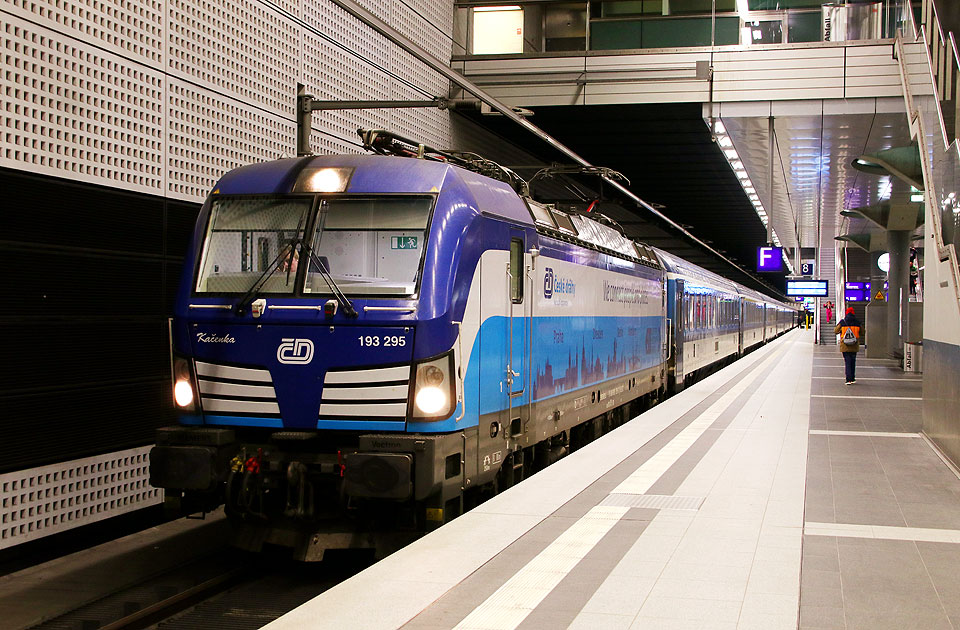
(370, 245)
(248, 236)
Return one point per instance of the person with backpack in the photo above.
(849, 329)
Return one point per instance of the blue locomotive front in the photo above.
(365, 344)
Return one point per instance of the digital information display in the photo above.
(769, 259)
(807, 288)
(856, 291)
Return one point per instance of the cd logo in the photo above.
(295, 351)
(548, 283)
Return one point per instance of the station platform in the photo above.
(769, 495)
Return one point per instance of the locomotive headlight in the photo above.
(434, 388)
(323, 180)
(431, 399)
(183, 393)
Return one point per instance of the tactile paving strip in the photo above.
(655, 501)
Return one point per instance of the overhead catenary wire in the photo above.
(371, 20)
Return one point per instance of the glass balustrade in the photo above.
(550, 27)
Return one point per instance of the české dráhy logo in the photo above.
(553, 283)
(295, 351)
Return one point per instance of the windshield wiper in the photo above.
(272, 268)
(342, 299)
(290, 250)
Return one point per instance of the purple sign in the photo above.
(769, 259)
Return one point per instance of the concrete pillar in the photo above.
(897, 277)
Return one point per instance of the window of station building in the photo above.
(565, 26)
(497, 30)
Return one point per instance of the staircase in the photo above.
(828, 260)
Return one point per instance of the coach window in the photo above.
(516, 270)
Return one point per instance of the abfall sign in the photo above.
(769, 259)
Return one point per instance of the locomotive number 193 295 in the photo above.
(374, 341)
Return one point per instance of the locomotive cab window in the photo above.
(371, 245)
(516, 270)
(247, 236)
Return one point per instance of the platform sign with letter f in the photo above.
(769, 259)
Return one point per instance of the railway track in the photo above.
(227, 589)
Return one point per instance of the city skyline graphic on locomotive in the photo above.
(364, 346)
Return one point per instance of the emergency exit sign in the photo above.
(403, 242)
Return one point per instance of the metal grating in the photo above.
(73, 110)
(131, 28)
(654, 501)
(165, 98)
(238, 48)
(46, 500)
(209, 134)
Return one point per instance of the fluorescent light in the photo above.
(731, 154)
(737, 165)
(718, 127)
(505, 8)
(724, 141)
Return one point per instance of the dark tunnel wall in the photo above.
(90, 275)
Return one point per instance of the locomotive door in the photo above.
(516, 323)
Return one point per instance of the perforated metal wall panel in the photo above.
(163, 97)
(73, 110)
(246, 50)
(209, 134)
(51, 499)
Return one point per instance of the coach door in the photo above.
(517, 322)
(680, 327)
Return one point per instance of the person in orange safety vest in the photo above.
(849, 328)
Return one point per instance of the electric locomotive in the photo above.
(366, 344)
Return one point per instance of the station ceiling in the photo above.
(667, 153)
